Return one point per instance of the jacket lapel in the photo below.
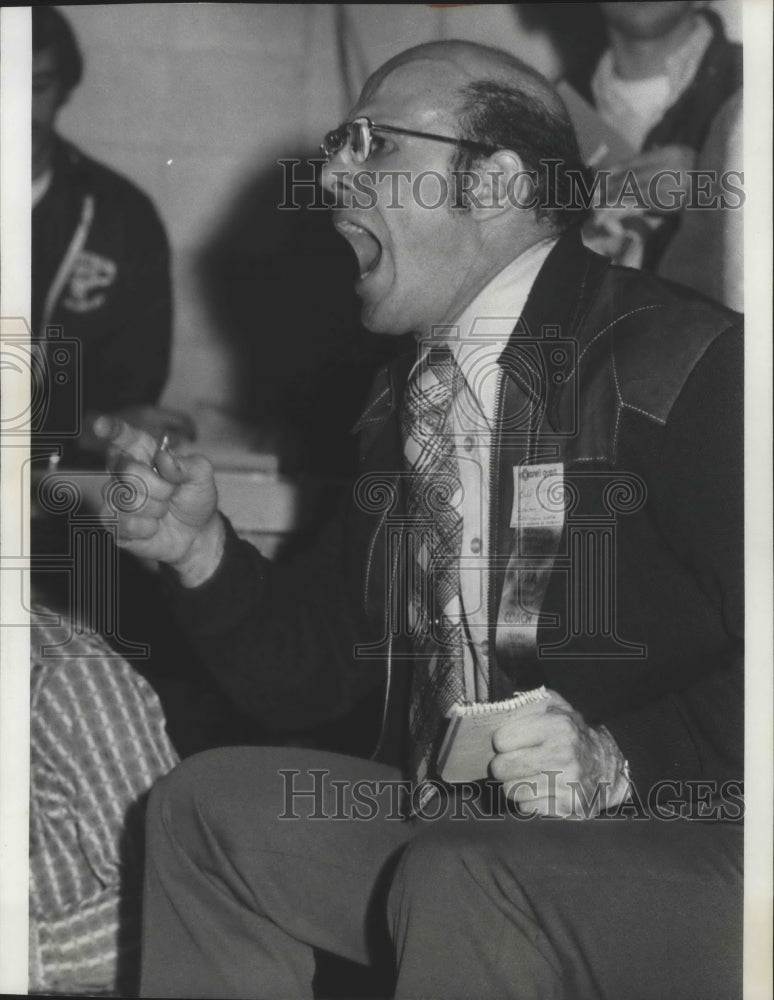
(382, 405)
(540, 368)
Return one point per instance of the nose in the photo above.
(335, 176)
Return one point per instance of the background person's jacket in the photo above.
(688, 121)
(100, 273)
(645, 412)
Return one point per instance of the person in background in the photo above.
(669, 83)
(101, 274)
(98, 743)
(707, 251)
(100, 263)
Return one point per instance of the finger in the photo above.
(543, 805)
(528, 731)
(558, 729)
(193, 469)
(550, 771)
(122, 436)
(155, 509)
(508, 737)
(530, 806)
(519, 765)
(138, 478)
(521, 790)
(514, 737)
(563, 805)
(536, 764)
(134, 527)
(537, 790)
(122, 499)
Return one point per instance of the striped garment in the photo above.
(98, 744)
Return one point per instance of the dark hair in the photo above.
(51, 30)
(506, 117)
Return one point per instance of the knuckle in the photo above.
(201, 466)
(499, 741)
(499, 768)
(129, 526)
(571, 773)
(522, 791)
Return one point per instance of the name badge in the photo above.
(538, 496)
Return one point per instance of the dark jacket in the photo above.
(100, 273)
(640, 397)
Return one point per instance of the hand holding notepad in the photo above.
(467, 747)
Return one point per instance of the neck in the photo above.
(42, 160)
(640, 58)
(491, 258)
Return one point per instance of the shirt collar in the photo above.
(482, 331)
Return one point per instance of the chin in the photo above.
(377, 322)
(375, 317)
(374, 325)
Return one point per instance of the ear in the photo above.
(503, 183)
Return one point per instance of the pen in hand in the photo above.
(163, 445)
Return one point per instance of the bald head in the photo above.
(493, 100)
(470, 62)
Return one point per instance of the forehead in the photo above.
(420, 92)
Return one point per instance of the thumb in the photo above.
(179, 469)
(555, 700)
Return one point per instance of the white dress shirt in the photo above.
(477, 339)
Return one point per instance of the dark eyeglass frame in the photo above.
(338, 138)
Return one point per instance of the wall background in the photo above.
(196, 102)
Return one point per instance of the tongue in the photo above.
(367, 249)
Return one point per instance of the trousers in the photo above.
(258, 856)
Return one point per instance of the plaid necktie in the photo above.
(434, 538)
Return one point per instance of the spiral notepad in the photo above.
(467, 746)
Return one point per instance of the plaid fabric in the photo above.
(433, 551)
(98, 745)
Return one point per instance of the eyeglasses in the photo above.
(359, 136)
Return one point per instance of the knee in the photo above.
(177, 798)
(431, 872)
(194, 805)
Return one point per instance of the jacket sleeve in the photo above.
(697, 496)
(280, 637)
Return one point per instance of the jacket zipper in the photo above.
(494, 517)
(77, 244)
(388, 683)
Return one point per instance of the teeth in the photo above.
(349, 227)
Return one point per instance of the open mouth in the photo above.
(368, 249)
